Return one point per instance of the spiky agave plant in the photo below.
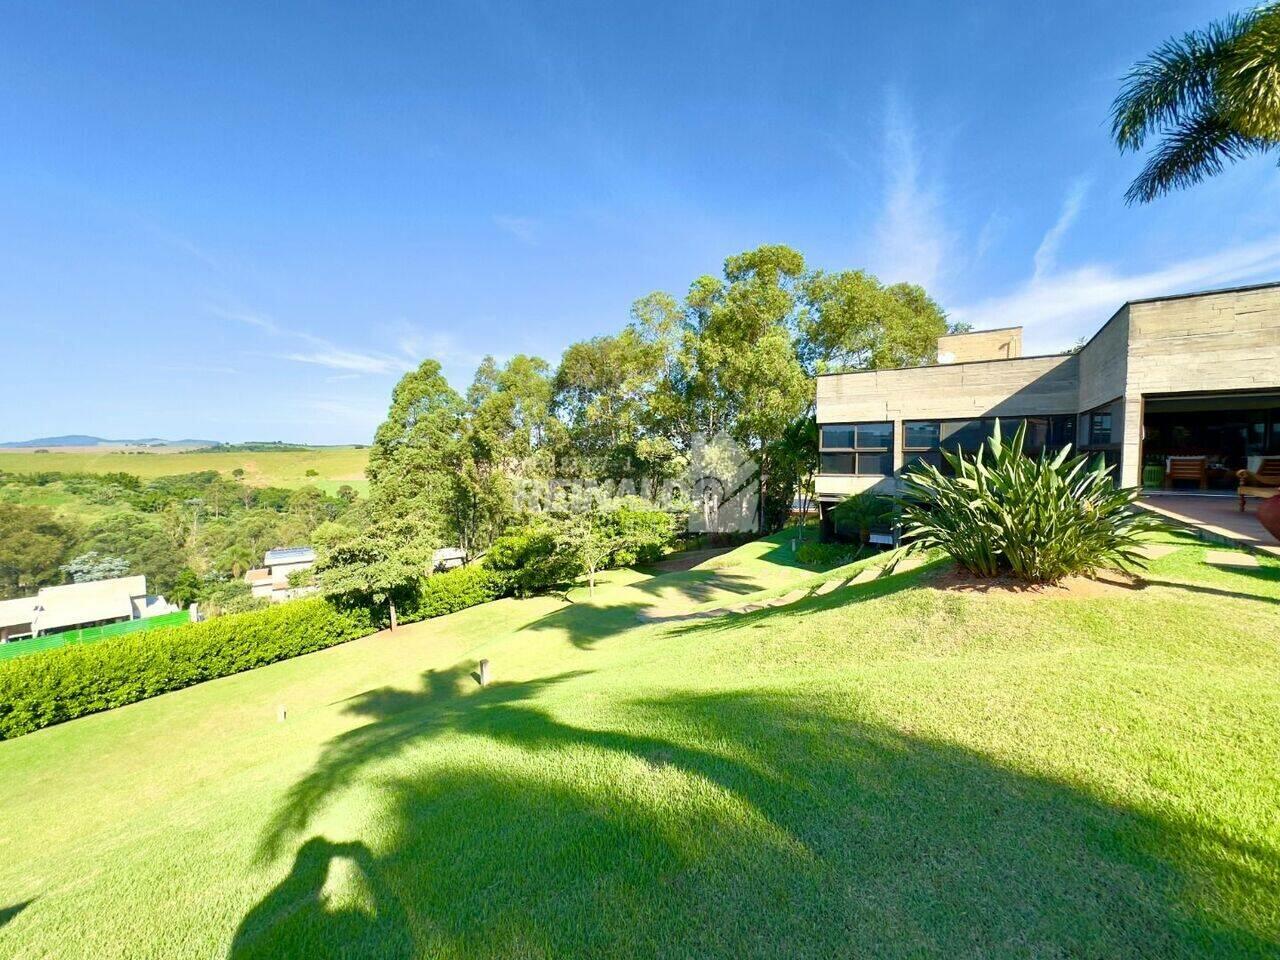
(1037, 519)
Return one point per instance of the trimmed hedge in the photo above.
(39, 691)
(454, 590)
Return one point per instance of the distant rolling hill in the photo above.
(83, 440)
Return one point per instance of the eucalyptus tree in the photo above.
(744, 374)
(415, 451)
(850, 320)
(1211, 96)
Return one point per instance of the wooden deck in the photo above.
(1216, 518)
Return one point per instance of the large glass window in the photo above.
(1101, 426)
(924, 440)
(859, 449)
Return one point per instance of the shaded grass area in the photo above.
(886, 770)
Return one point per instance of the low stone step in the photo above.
(1222, 558)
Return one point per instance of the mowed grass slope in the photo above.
(887, 770)
(277, 468)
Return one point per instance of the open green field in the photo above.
(283, 468)
(891, 769)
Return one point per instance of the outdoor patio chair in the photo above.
(1187, 468)
(1262, 483)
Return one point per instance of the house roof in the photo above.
(16, 613)
(75, 603)
(257, 575)
(289, 555)
(74, 611)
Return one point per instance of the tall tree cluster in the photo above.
(737, 355)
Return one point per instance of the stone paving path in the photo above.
(1221, 558)
(827, 586)
(1151, 551)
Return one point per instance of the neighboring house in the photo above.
(73, 606)
(1191, 377)
(271, 580)
(16, 617)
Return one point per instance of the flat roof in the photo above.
(1243, 288)
(970, 333)
(959, 363)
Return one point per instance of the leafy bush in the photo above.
(1038, 520)
(812, 553)
(642, 533)
(231, 596)
(44, 689)
(863, 512)
(454, 590)
(534, 559)
(556, 548)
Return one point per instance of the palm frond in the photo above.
(1249, 77)
(1176, 79)
(1197, 148)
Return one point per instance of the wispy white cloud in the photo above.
(1047, 253)
(246, 317)
(912, 237)
(992, 228)
(321, 352)
(1059, 307)
(360, 414)
(336, 358)
(524, 229)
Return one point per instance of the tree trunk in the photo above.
(392, 605)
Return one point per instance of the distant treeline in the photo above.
(193, 535)
(270, 446)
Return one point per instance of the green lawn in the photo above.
(334, 466)
(887, 770)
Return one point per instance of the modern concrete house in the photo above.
(1186, 385)
(271, 580)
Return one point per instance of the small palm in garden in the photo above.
(1037, 519)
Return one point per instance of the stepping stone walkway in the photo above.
(865, 575)
(1221, 558)
(1154, 551)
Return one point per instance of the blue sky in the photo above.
(244, 221)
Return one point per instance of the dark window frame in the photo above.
(933, 454)
(856, 451)
(1111, 410)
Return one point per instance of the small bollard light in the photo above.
(281, 714)
(484, 673)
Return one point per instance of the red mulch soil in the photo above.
(1105, 583)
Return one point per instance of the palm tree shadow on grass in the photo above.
(585, 622)
(11, 911)
(739, 824)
